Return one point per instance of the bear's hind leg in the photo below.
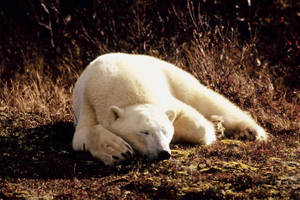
(242, 127)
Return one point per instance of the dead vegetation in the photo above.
(43, 52)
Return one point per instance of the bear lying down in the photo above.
(126, 102)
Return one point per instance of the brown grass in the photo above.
(34, 92)
(232, 69)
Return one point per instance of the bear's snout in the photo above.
(164, 155)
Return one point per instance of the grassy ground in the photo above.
(38, 163)
(38, 74)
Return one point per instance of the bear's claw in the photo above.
(108, 147)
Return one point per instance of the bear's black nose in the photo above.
(164, 155)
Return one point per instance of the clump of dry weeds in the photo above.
(38, 92)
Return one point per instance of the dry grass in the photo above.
(35, 92)
(234, 71)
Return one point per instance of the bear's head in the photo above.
(146, 127)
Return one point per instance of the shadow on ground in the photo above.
(46, 152)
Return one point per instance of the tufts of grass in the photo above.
(37, 92)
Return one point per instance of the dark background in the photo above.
(55, 29)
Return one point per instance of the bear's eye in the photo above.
(145, 132)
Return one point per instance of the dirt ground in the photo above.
(38, 163)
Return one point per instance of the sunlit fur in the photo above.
(120, 81)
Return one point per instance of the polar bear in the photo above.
(126, 102)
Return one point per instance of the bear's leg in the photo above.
(241, 126)
(237, 123)
(190, 126)
(100, 142)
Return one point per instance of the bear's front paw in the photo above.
(112, 150)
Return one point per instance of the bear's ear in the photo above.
(171, 115)
(117, 112)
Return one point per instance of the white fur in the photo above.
(120, 96)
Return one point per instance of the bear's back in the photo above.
(122, 80)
